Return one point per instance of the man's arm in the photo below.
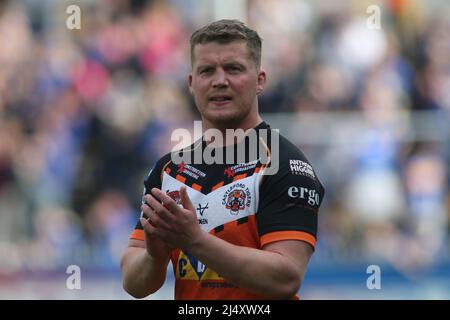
(275, 272)
(142, 272)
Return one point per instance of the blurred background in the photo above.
(85, 113)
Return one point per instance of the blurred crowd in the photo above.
(84, 114)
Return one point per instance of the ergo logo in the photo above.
(302, 193)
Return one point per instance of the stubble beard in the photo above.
(226, 121)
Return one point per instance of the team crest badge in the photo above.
(237, 198)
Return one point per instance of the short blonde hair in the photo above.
(226, 31)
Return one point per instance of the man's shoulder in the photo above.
(277, 142)
(287, 150)
(292, 163)
(162, 161)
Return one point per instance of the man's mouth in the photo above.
(220, 98)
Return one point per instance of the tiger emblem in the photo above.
(235, 201)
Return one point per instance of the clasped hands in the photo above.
(176, 226)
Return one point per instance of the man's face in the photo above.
(225, 83)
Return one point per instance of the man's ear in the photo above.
(190, 83)
(261, 81)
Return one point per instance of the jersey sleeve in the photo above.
(289, 203)
(153, 180)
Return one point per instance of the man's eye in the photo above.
(205, 71)
(234, 69)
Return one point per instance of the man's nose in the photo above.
(220, 79)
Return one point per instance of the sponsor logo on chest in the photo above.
(190, 171)
(242, 167)
(201, 210)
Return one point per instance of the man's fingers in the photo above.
(185, 201)
(167, 202)
(148, 227)
(155, 204)
(153, 217)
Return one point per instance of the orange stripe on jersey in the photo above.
(217, 186)
(241, 232)
(260, 168)
(137, 234)
(165, 170)
(165, 165)
(180, 178)
(239, 177)
(288, 235)
(197, 187)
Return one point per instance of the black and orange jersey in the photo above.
(237, 202)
